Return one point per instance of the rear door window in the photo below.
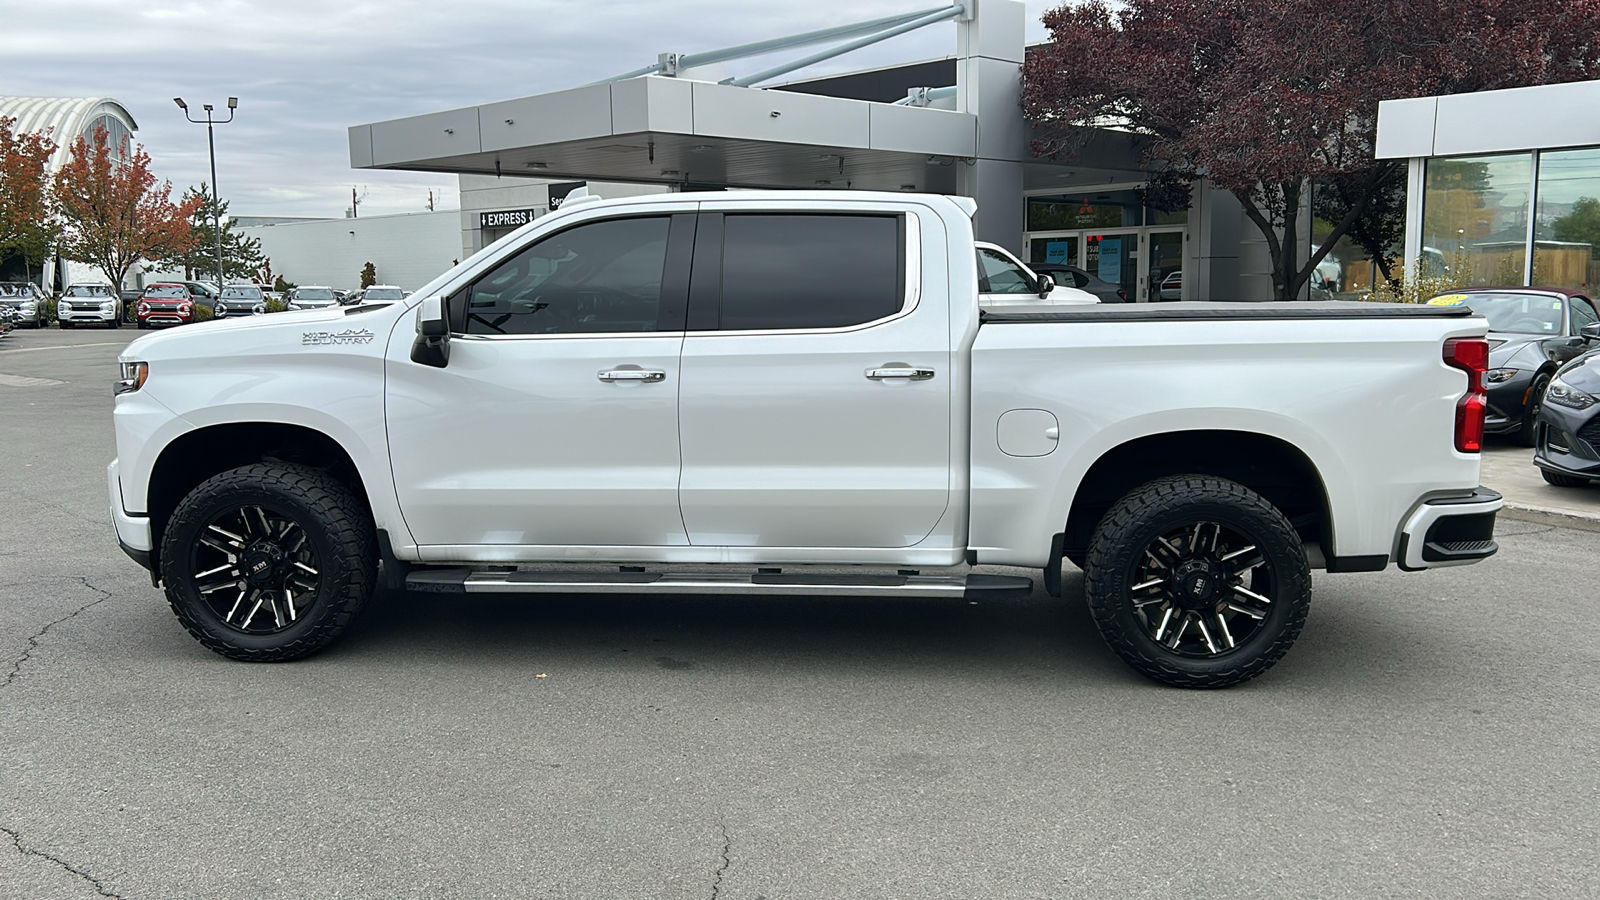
(804, 271)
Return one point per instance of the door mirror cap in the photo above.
(1590, 332)
(1046, 285)
(432, 346)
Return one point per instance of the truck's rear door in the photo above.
(815, 406)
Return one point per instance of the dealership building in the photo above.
(952, 125)
(1503, 186)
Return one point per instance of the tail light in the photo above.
(1470, 355)
(1123, 294)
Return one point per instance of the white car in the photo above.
(89, 304)
(312, 297)
(794, 393)
(378, 293)
(1003, 281)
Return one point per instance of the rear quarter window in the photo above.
(793, 271)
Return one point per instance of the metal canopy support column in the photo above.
(989, 51)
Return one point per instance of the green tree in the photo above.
(1581, 226)
(241, 255)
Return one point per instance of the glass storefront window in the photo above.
(1090, 209)
(1566, 228)
(1475, 218)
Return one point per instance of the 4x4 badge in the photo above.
(348, 336)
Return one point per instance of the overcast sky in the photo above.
(306, 70)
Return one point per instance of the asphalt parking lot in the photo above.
(1431, 735)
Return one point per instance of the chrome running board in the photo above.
(478, 581)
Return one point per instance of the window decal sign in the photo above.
(1111, 259)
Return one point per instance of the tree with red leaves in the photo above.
(1265, 97)
(113, 211)
(26, 223)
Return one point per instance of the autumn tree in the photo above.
(1267, 97)
(113, 212)
(369, 275)
(27, 226)
(241, 255)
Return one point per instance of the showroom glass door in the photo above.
(1113, 256)
(1166, 267)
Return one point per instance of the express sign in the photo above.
(505, 218)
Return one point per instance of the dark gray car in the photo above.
(241, 300)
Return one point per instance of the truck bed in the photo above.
(1191, 311)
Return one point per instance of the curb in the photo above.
(1543, 516)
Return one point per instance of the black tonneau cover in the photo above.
(1201, 311)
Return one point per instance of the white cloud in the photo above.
(306, 70)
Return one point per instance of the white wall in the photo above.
(408, 250)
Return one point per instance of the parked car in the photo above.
(378, 293)
(1567, 434)
(8, 320)
(1074, 277)
(1171, 286)
(840, 401)
(1533, 331)
(26, 300)
(1003, 281)
(89, 304)
(165, 303)
(312, 297)
(204, 294)
(241, 300)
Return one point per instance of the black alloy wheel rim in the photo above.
(1202, 589)
(256, 569)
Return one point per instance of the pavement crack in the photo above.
(727, 860)
(25, 850)
(33, 640)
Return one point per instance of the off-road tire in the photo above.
(338, 525)
(1134, 522)
(1560, 480)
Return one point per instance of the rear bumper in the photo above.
(1450, 531)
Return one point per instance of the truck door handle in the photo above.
(899, 370)
(648, 376)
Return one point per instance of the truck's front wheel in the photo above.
(268, 562)
(1197, 581)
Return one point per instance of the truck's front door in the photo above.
(556, 419)
(816, 401)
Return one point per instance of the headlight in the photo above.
(106, 306)
(259, 309)
(293, 305)
(185, 308)
(133, 377)
(144, 308)
(1562, 394)
(1498, 376)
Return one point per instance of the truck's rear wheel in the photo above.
(268, 562)
(1197, 581)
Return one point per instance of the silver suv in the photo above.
(26, 300)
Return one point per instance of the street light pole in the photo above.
(211, 146)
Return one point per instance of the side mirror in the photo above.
(1046, 285)
(432, 346)
(1590, 332)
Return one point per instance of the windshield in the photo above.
(16, 290)
(1518, 313)
(166, 291)
(241, 293)
(313, 294)
(383, 294)
(87, 290)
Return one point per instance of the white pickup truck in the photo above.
(795, 393)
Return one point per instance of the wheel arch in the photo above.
(1274, 468)
(197, 455)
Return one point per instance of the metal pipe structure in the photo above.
(211, 146)
(831, 52)
(756, 48)
(926, 95)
